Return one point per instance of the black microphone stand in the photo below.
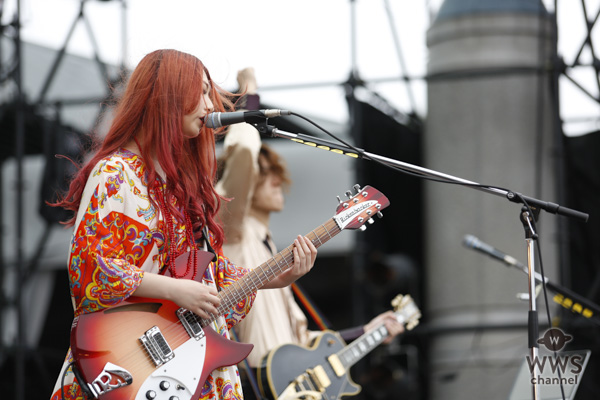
(528, 220)
(531, 205)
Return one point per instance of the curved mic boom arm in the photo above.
(353, 152)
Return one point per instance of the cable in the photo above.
(362, 153)
(62, 380)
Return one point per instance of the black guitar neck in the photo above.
(360, 347)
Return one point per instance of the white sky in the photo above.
(287, 42)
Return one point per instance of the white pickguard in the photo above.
(186, 366)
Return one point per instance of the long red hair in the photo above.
(165, 86)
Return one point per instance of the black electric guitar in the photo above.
(321, 371)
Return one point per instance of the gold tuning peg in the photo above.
(397, 301)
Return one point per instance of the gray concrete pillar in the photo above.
(484, 99)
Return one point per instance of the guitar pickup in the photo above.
(156, 346)
(190, 322)
(319, 377)
(336, 364)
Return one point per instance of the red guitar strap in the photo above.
(310, 307)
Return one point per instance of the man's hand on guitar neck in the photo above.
(391, 323)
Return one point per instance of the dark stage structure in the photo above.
(41, 114)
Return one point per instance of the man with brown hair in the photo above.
(254, 177)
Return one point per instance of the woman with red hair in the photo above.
(145, 197)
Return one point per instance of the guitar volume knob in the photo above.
(151, 395)
(173, 398)
(164, 385)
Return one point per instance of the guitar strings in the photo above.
(181, 335)
(282, 260)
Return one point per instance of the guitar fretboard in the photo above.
(360, 347)
(269, 270)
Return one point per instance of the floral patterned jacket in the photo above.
(118, 237)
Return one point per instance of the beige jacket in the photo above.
(275, 317)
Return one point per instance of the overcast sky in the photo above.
(310, 43)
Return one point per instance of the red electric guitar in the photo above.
(153, 349)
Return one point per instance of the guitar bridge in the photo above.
(156, 346)
(319, 377)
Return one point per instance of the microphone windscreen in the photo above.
(470, 241)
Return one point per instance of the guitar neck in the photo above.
(272, 268)
(362, 346)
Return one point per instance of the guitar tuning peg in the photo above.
(370, 221)
(380, 214)
(348, 194)
(363, 228)
(357, 188)
(339, 200)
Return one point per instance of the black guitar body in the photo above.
(288, 362)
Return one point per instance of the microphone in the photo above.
(472, 242)
(220, 119)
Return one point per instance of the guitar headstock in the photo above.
(360, 208)
(406, 311)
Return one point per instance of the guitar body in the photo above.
(282, 366)
(111, 359)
